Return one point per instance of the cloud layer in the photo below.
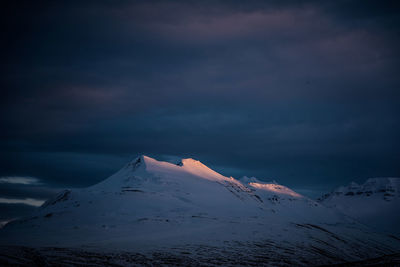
(19, 180)
(26, 201)
(304, 92)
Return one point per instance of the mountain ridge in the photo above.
(376, 202)
(150, 204)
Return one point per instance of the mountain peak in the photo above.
(197, 168)
(383, 182)
(192, 162)
(388, 187)
(143, 159)
(271, 187)
(138, 161)
(248, 180)
(146, 170)
(375, 202)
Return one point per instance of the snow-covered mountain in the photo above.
(185, 207)
(375, 203)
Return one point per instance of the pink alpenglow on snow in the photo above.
(152, 205)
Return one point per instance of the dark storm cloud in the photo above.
(304, 92)
(26, 191)
(11, 211)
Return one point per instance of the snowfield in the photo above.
(375, 203)
(164, 213)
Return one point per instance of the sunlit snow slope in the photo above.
(150, 204)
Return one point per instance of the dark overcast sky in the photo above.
(306, 93)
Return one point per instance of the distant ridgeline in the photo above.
(184, 207)
(375, 203)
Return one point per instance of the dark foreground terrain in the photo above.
(384, 261)
(202, 256)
